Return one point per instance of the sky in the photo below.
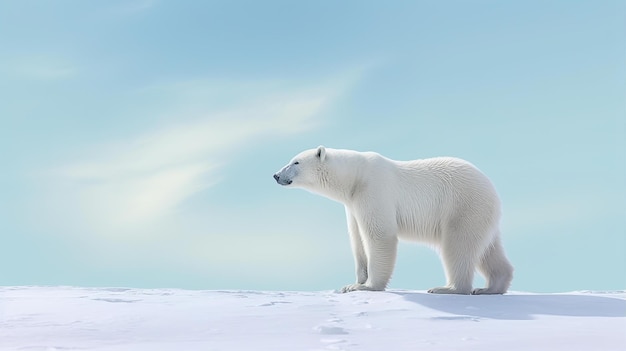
(138, 138)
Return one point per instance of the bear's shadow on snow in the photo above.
(519, 307)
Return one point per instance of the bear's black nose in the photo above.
(276, 176)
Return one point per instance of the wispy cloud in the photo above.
(145, 178)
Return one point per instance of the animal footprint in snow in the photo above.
(330, 330)
(334, 344)
(273, 303)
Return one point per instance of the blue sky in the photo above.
(138, 138)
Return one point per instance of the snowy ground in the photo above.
(64, 318)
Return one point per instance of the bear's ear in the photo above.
(321, 152)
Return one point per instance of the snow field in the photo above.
(68, 318)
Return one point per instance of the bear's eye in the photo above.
(296, 163)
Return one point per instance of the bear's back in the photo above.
(435, 189)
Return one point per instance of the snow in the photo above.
(72, 318)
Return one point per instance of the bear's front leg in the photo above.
(381, 253)
(355, 287)
(358, 251)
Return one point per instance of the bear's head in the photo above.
(303, 170)
(333, 173)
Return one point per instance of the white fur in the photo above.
(444, 202)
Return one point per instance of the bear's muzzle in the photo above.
(282, 181)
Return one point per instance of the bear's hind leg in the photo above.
(460, 274)
(496, 268)
(459, 263)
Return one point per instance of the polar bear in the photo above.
(444, 202)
